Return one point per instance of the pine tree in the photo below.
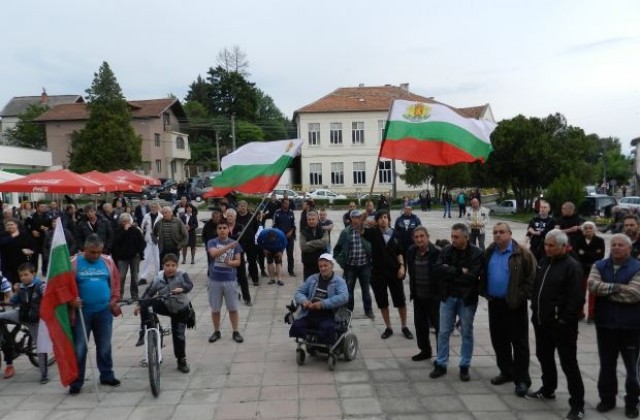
(108, 140)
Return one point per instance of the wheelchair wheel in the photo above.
(300, 356)
(350, 347)
(311, 351)
(331, 362)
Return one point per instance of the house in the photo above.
(342, 132)
(165, 147)
(18, 105)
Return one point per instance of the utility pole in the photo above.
(233, 131)
(218, 149)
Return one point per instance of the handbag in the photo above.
(177, 303)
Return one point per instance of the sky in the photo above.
(580, 58)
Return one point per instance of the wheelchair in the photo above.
(345, 345)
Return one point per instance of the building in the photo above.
(18, 105)
(21, 161)
(165, 147)
(342, 133)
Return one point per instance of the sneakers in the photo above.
(256, 283)
(540, 395)
(9, 371)
(237, 337)
(140, 341)
(464, 374)
(423, 355)
(111, 382)
(603, 407)
(438, 371)
(388, 332)
(521, 389)
(407, 333)
(44, 380)
(280, 283)
(214, 337)
(272, 281)
(631, 411)
(370, 315)
(183, 366)
(575, 414)
(74, 390)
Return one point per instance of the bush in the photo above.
(566, 188)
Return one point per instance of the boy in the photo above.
(28, 297)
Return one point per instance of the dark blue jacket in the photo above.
(610, 314)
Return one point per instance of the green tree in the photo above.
(27, 133)
(232, 94)
(269, 118)
(565, 188)
(107, 141)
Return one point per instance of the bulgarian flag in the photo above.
(254, 168)
(61, 289)
(434, 134)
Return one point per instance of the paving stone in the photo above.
(360, 406)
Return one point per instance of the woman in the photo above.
(128, 250)
(26, 210)
(191, 223)
(589, 249)
(16, 248)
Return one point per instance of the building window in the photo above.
(166, 120)
(315, 173)
(384, 172)
(314, 134)
(180, 142)
(381, 124)
(335, 134)
(174, 168)
(156, 139)
(337, 173)
(357, 133)
(158, 165)
(359, 174)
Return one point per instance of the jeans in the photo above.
(100, 323)
(362, 273)
(447, 209)
(123, 268)
(449, 309)
(612, 342)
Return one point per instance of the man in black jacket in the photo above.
(555, 305)
(244, 218)
(128, 250)
(458, 269)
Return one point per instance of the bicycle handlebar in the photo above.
(131, 301)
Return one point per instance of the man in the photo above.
(169, 234)
(461, 199)
(388, 272)
(285, 220)
(313, 243)
(630, 227)
(590, 248)
(210, 230)
(182, 205)
(225, 258)
(506, 282)
(458, 269)
(570, 223)
(538, 228)
(119, 197)
(149, 265)
(477, 218)
(99, 289)
(555, 304)
(272, 242)
(244, 218)
(38, 225)
(326, 225)
(615, 281)
(307, 206)
(353, 253)
(424, 290)
(270, 209)
(141, 210)
(95, 225)
(346, 218)
(110, 215)
(54, 210)
(128, 250)
(319, 296)
(235, 230)
(404, 226)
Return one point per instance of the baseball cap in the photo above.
(326, 256)
(355, 213)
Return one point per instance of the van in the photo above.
(597, 205)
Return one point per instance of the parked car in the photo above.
(323, 194)
(597, 205)
(293, 196)
(631, 203)
(503, 207)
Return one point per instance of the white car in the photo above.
(504, 207)
(322, 194)
(631, 203)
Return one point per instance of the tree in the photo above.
(234, 60)
(27, 133)
(231, 94)
(270, 118)
(107, 141)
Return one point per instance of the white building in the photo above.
(22, 161)
(342, 133)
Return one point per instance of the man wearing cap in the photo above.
(141, 210)
(319, 296)
(404, 226)
(353, 253)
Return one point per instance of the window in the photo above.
(314, 134)
(156, 139)
(381, 124)
(174, 168)
(335, 135)
(315, 173)
(158, 165)
(166, 120)
(180, 142)
(384, 172)
(359, 174)
(337, 173)
(357, 133)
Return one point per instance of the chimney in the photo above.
(404, 86)
(43, 97)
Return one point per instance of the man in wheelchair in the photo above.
(319, 296)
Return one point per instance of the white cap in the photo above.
(326, 256)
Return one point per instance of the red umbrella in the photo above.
(110, 183)
(134, 178)
(61, 181)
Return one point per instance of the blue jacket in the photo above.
(610, 314)
(277, 244)
(337, 291)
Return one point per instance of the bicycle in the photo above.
(153, 343)
(18, 340)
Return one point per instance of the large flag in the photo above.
(434, 134)
(254, 168)
(61, 289)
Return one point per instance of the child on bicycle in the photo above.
(28, 297)
(168, 282)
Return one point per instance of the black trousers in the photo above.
(611, 343)
(252, 261)
(509, 331)
(241, 277)
(290, 261)
(564, 338)
(178, 324)
(426, 313)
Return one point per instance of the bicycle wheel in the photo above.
(153, 362)
(26, 344)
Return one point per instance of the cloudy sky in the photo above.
(577, 57)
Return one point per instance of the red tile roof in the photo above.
(476, 112)
(151, 108)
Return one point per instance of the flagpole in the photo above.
(86, 342)
(252, 217)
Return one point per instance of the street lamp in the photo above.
(605, 184)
